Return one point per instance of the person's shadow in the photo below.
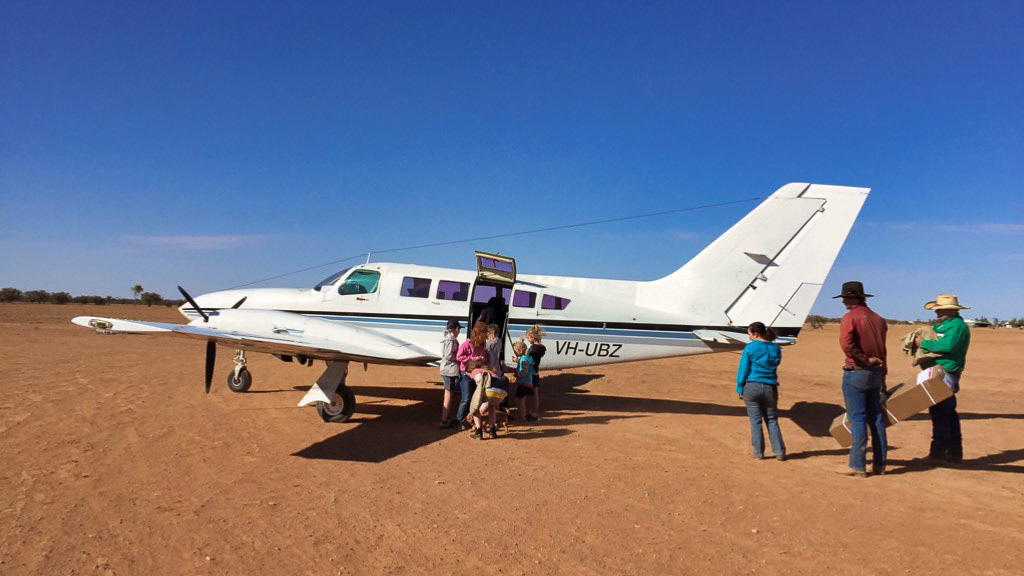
(998, 462)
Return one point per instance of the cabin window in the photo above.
(415, 287)
(483, 293)
(524, 299)
(550, 302)
(449, 290)
(360, 282)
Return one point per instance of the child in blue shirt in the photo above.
(757, 384)
(525, 372)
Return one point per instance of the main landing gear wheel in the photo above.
(341, 408)
(242, 383)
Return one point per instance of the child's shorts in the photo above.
(451, 382)
(495, 395)
(523, 391)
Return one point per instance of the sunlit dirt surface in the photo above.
(114, 461)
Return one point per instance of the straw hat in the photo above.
(945, 302)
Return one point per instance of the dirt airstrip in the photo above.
(115, 462)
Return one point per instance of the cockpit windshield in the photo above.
(330, 280)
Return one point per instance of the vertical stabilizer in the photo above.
(768, 267)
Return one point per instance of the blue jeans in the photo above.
(861, 391)
(947, 442)
(466, 386)
(762, 401)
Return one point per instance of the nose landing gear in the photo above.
(335, 402)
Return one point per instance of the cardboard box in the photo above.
(904, 400)
(840, 430)
(929, 389)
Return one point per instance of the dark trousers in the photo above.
(947, 443)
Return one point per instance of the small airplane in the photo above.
(768, 267)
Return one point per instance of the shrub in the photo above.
(816, 321)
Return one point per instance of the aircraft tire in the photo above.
(341, 409)
(243, 383)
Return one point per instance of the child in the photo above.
(471, 351)
(757, 384)
(525, 373)
(490, 392)
(450, 372)
(493, 347)
(536, 351)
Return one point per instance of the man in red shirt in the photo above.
(862, 338)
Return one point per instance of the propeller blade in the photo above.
(206, 317)
(239, 303)
(211, 356)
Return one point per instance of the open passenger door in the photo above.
(494, 269)
(492, 291)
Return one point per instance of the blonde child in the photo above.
(536, 351)
(525, 372)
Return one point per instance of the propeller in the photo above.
(211, 356)
(211, 345)
(206, 317)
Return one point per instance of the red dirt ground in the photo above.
(115, 462)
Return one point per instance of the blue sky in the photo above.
(214, 145)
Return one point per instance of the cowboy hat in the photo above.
(853, 289)
(945, 302)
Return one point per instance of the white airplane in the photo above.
(769, 267)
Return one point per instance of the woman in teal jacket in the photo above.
(757, 384)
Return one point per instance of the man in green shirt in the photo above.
(951, 346)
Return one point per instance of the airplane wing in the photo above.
(276, 332)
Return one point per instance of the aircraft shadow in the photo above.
(392, 430)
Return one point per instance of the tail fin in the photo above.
(769, 267)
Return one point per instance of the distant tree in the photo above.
(10, 295)
(60, 298)
(996, 322)
(816, 321)
(37, 296)
(150, 298)
(97, 300)
(137, 290)
(80, 299)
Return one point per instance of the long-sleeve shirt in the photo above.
(954, 338)
(759, 363)
(469, 352)
(449, 346)
(862, 336)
